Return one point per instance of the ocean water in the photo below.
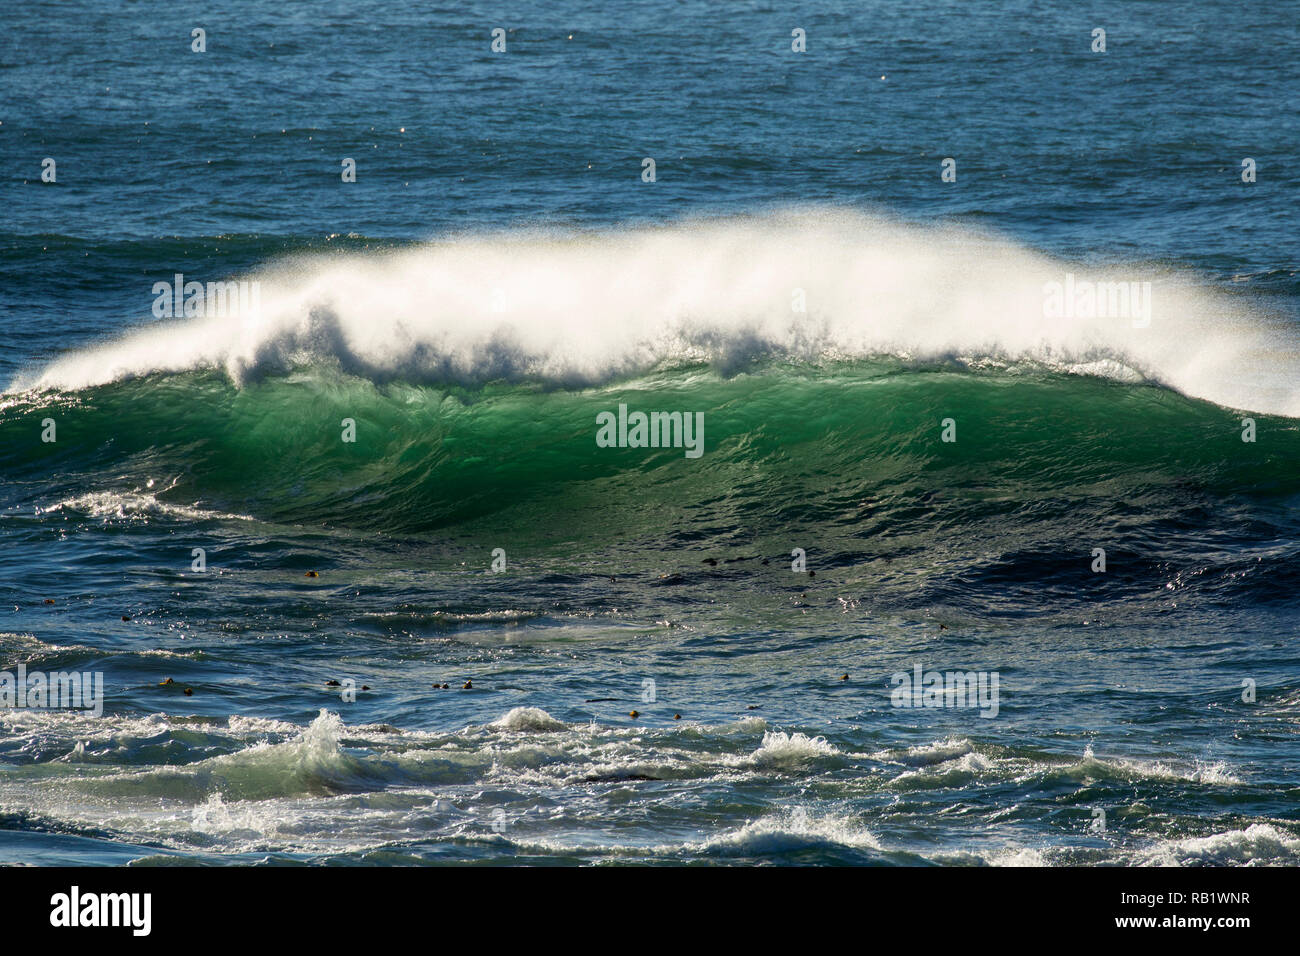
(800, 279)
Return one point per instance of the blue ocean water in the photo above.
(680, 659)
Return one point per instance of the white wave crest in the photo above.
(1258, 843)
(583, 307)
(528, 719)
(790, 831)
(784, 750)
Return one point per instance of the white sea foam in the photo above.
(1217, 773)
(939, 751)
(791, 830)
(785, 750)
(129, 506)
(1257, 843)
(528, 719)
(330, 788)
(583, 307)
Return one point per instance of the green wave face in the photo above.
(852, 449)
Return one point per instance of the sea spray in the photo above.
(585, 308)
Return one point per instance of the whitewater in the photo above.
(580, 308)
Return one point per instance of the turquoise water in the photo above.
(388, 461)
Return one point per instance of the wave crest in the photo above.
(576, 308)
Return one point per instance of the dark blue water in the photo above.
(498, 275)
